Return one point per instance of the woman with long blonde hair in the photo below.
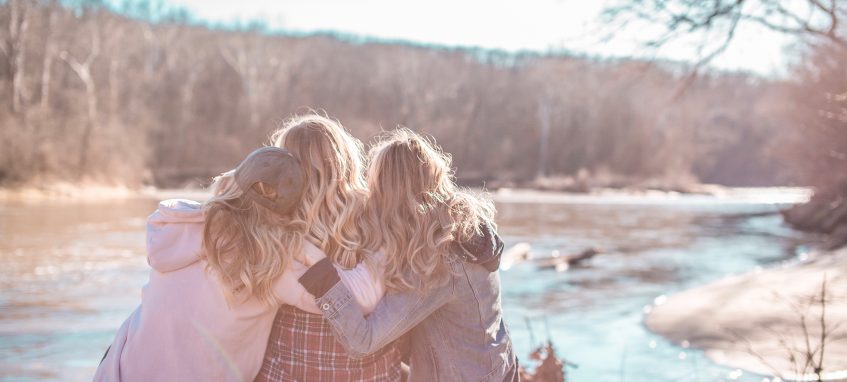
(220, 271)
(302, 346)
(335, 194)
(442, 254)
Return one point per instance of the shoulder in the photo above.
(177, 211)
(308, 247)
(312, 253)
(484, 247)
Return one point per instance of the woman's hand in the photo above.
(311, 254)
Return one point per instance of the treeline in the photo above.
(817, 146)
(87, 93)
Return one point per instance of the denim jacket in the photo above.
(457, 330)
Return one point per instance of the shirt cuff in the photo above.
(320, 278)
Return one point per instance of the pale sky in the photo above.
(537, 25)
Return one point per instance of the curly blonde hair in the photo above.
(335, 195)
(416, 210)
(246, 245)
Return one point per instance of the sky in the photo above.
(537, 25)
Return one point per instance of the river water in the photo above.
(72, 272)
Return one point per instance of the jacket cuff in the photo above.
(320, 278)
(336, 299)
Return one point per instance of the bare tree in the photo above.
(717, 21)
(244, 55)
(83, 70)
(819, 141)
(52, 11)
(13, 49)
(182, 101)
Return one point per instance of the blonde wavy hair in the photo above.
(335, 195)
(416, 210)
(247, 245)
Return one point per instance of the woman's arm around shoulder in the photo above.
(366, 286)
(396, 313)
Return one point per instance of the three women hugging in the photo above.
(301, 267)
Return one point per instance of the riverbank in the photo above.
(73, 273)
(71, 192)
(719, 195)
(66, 191)
(766, 321)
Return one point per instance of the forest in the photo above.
(128, 96)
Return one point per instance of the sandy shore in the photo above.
(93, 192)
(63, 191)
(719, 195)
(73, 193)
(754, 321)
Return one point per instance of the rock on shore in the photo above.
(755, 321)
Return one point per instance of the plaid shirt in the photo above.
(302, 348)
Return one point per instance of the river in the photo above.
(72, 272)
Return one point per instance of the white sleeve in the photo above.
(367, 287)
(289, 291)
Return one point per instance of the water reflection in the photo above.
(594, 314)
(72, 272)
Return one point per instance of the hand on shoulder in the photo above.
(311, 254)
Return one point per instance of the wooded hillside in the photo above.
(90, 93)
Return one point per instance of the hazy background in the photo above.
(556, 94)
(657, 99)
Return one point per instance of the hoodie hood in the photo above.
(485, 249)
(174, 235)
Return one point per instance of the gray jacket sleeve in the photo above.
(395, 315)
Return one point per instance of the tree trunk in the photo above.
(46, 76)
(83, 71)
(543, 136)
(49, 57)
(91, 96)
(114, 90)
(14, 50)
(186, 100)
(242, 63)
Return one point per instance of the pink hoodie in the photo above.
(183, 330)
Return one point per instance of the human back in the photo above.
(332, 208)
(220, 270)
(416, 213)
(335, 194)
(434, 234)
(442, 256)
(185, 328)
